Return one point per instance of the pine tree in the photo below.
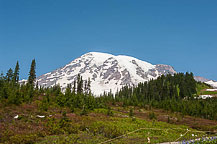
(9, 75)
(32, 75)
(88, 86)
(16, 73)
(74, 87)
(79, 84)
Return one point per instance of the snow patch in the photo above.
(204, 96)
(211, 89)
(212, 83)
(16, 117)
(40, 116)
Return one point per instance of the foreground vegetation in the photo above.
(154, 111)
(62, 126)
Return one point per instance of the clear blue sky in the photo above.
(181, 33)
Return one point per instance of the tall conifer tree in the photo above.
(32, 75)
(79, 84)
(16, 73)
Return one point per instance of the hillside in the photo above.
(160, 110)
(28, 123)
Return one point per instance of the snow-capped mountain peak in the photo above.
(106, 72)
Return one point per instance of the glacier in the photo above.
(107, 72)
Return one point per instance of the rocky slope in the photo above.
(207, 81)
(106, 72)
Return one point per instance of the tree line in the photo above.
(76, 95)
(11, 91)
(175, 93)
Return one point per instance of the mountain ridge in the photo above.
(107, 72)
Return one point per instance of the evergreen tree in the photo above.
(88, 86)
(9, 75)
(16, 73)
(32, 75)
(79, 84)
(74, 87)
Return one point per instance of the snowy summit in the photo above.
(106, 72)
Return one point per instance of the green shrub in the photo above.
(24, 139)
(64, 125)
(44, 106)
(53, 126)
(168, 119)
(152, 116)
(84, 111)
(107, 129)
(101, 110)
(131, 113)
(62, 139)
(109, 112)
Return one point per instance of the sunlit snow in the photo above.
(106, 72)
(212, 83)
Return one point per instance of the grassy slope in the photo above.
(97, 126)
(94, 128)
(201, 90)
(201, 87)
(209, 92)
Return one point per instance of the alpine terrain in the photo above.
(105, 71)
(207, 81)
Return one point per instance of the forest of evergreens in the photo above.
(173, 93)
(76, 95)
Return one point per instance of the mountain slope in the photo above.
(212, 83)
(106, 72)
(207, 81)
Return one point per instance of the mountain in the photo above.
(207, 81)
(201, 79)
(106, 72)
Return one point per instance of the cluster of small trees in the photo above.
(11, 91)
(74, 96)
(78, 96)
